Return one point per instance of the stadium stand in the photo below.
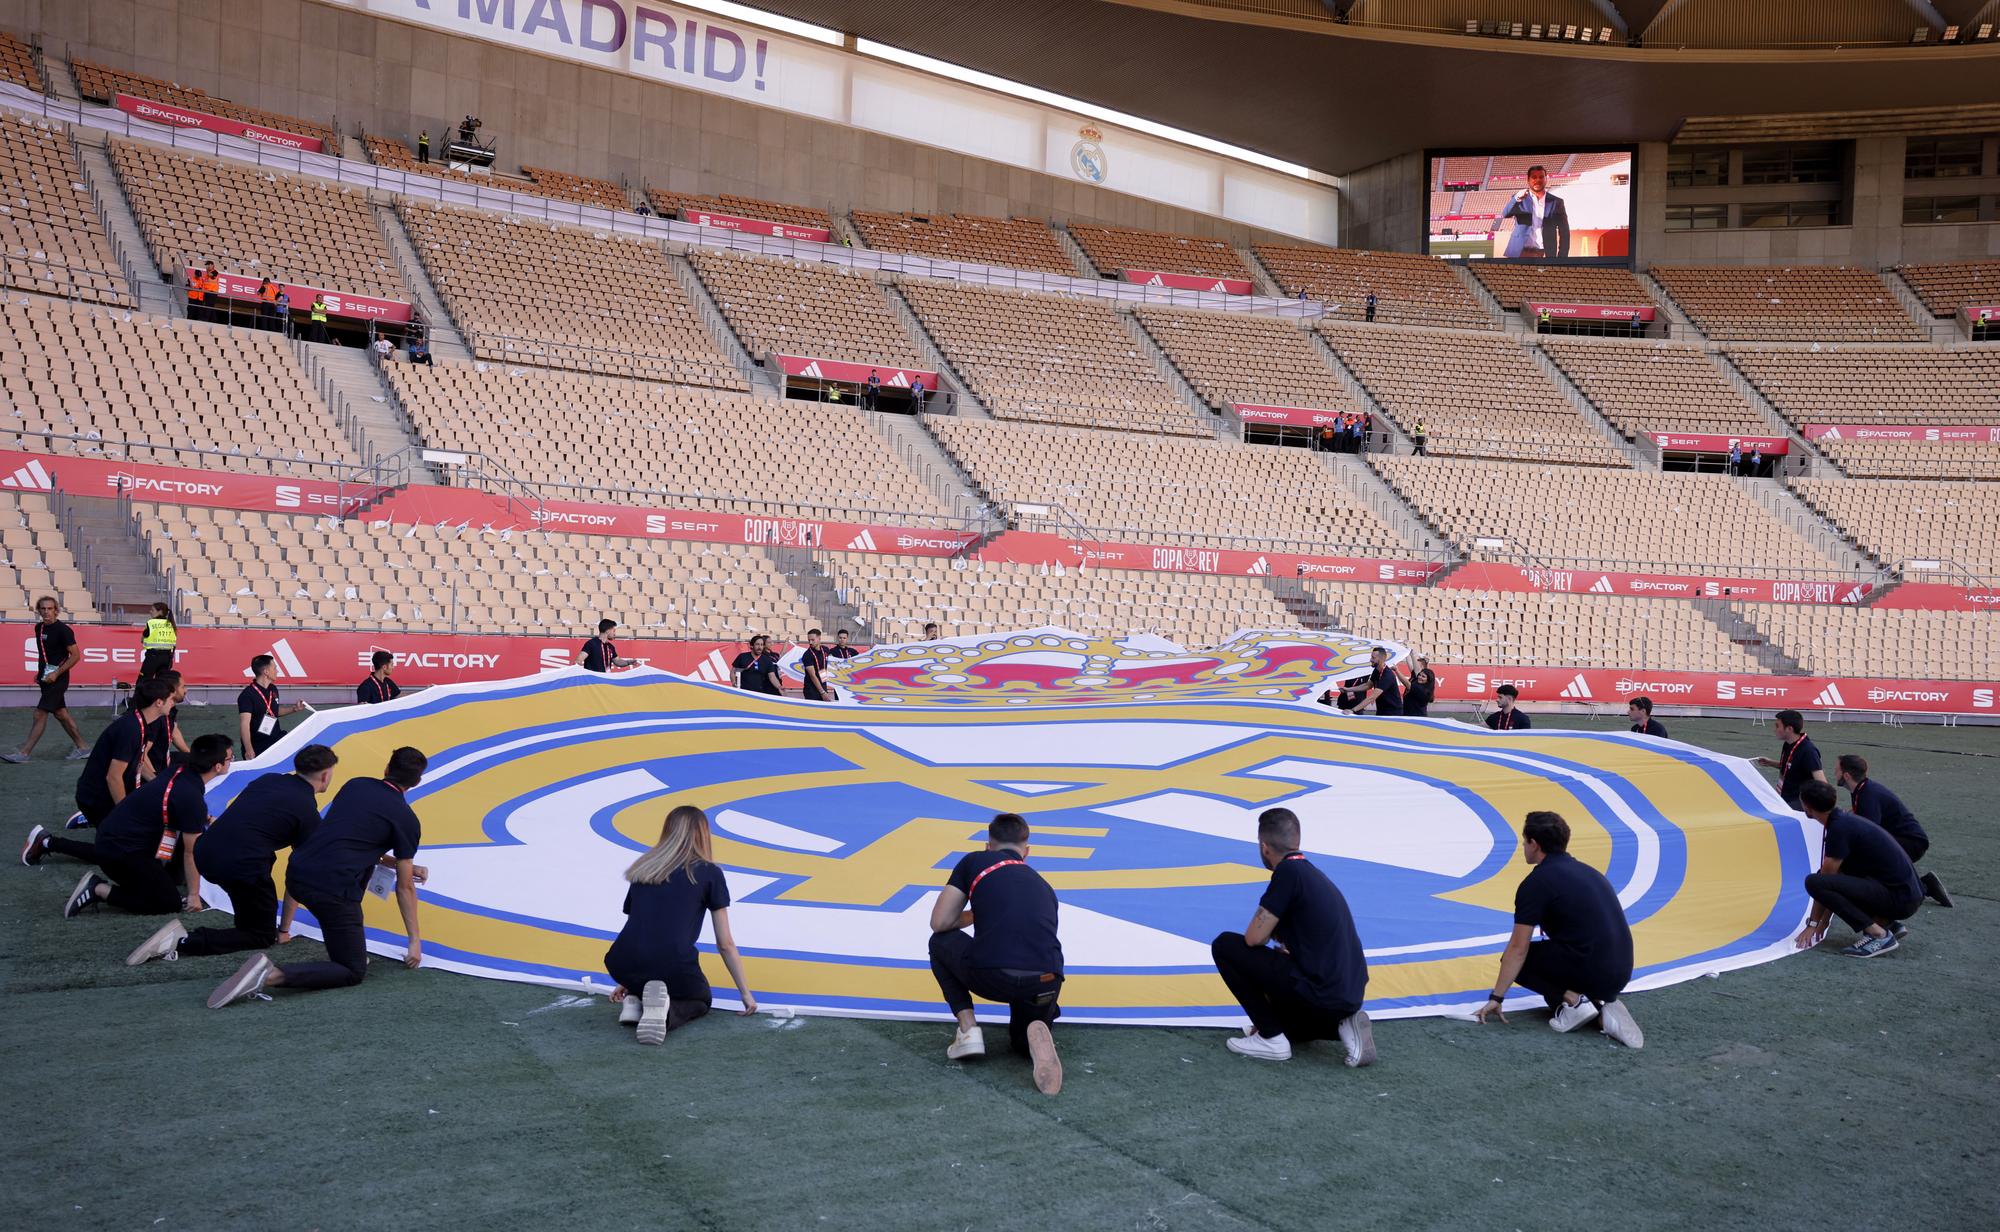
(100, 84)
(1410, 289)
(579, 188)
(237, 569)
(17, 64)
(1167, 488)
(1483, 204)
(560, 297)
(1534, 628)
(105, 383)
(1654, 386)
(39, 561)
(253, 223)
(1881, 642)
(1770, 303)
(51, 239)
(1245, 359)
(1112, 249)
(1914, 459)
(562, 428)
(1464, 170)
(1515, 285)
(1049, 358)
(781, 307)
(1670, 522)
(1021, 243)
(676, 204)
(1901, 521)
(1947, 287)
(1475, 396)
(1876, 384)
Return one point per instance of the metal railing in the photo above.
(117, 449)
(61, 280)
(590, 360)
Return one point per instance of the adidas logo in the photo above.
(1856, 595)
(1831, 434)
(899, 381)
(1259, 567)
(1578, 687)
(863, 542)
(1602, 586)
(31, 477)
(288, 660)
(812, 370)
(1156, 281)
(1219, 287)
(712, 669)
(1830, 696)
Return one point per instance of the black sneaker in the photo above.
(84, 896)
(1898, 929)
(1934, 889)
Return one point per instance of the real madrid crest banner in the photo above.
(1141, 769)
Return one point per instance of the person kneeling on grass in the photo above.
(1310, 987)
(273, 812)
(1869, 799)
(1864, 878)
(153, 830)
(369, 825)
(1585, 960)
(658, 972)
(1013, 957)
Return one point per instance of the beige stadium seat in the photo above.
(1239, 358)
(1023, 243)
(1881, 642)
(805, 308)
(1914, 459)
(1515, 285)
(51, 239)
(1647, 386)
(1788, 303)
(562, 297)
(1949, 286)
(583, 189)
(17, 63)
(1637, 521)
(559, 186)
(1049, 358)
(1474, 395)
(677, 204)
(108, 383)
(1112, 249)
(1861, 383)
(1409, 288)
(98, 83)
(38, 561)
(1951, 523)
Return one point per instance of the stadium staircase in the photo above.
(446, 340)
(1077, 256)
(846, 232)
(1299, 602)
(1753, 640)
(964, 402)
(1944, 333)
(1818, 463)
(1684, 329)
(765, 380)
(150, 292)
(1260, 276)
(950, 483)
(1811, 525)
(1640, 458)
(117, 567)
(1164, 363)
(1399, 439)
(1512, 322)
(364, 408)
(55, 71)
(1367, 487)
(830, 609)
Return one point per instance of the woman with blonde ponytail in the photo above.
(660, 984)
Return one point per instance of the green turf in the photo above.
(1819, 1091)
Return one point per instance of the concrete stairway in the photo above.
(1509, 321)
(1768, 654)
(1261, 277)
(446, 340)
(364, 409)
(1077, 257)
(966, 403)
(55, 70)
(128, 242)
(1812, 525)
(1399, 440)
(118, 568)
(830, 609)
(1305, 609)
(1361, 482)
(1684, 330)
(764, 382)
(1817, 462)
(1944, 333)
(954, 487)
(1164, 363)
(1640, 458)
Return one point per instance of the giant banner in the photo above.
(183, 117)
(33, 472)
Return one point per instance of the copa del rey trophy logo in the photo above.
(1086, 157)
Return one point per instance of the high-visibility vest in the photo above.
(271, 294)
(319, 311)
(196, 286)
(160, 634)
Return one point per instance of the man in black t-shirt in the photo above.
(1868, 798)
(812, 667)
(600, 653)
(163, 735)
(1508, 717)
(1385, 688)
(1311, 986)
(1013, 957)
(369, 825)
(1422, 690)
(840, 649)
(110, 774)
(1864, 877)
(378, 687)
(152, 831)
(271, 813)
(1585, 959)
(258, 709)
(56, 652)
(756, 669)
(1640, 711)
(1798, 758)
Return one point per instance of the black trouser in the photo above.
(1553, 969)
(1263, 982)
(1912, 847)
(254, 903)
(1858, 901)
(346, 941)
(688, 993)
(87, 852)
(1030, 996)
(94, 813)
(155, 662)
(141, 885)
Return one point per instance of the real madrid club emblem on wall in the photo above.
(1087, 155)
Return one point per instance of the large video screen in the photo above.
(1574, 205)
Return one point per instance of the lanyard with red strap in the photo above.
(1506, 720)
(270, 703)
(169, 839)
(989, 868)
(1785, 759)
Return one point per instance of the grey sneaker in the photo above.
(1871, 947)
(166, 943)
(14, 758)
(628, 1010)
(1621, 1026)
(1358, 1037)
(75, 754)
(248, 981)
(1568, 1018)
(1934, 889)
(653, 1007)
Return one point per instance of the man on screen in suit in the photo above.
(1541, 222)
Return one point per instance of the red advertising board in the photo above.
(1290, 416)
(756, 226)
(1805, 693)
(1034, 548)
(1710, 442)
(338, 303)
(1590, 312)
(1931, 434)
(1981, 312)
(1484, 575)
(1187, 282)
(32, 472)
(819, 369)
(1942, 597)
(167, 113)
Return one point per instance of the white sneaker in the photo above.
(248, 980)
(1358, 1037)
(1568, 1018)
(1621, 1026)
(1262, 1047)
(166, 943)
(629, 1010)
(653, 1007)
(77, 754)
(968, 1043)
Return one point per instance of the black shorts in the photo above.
(53, 692)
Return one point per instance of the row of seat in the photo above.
(1862, 383)
(36, 560)
(50, 237)
(1654, 386)
(1947, 286)
(1115, 249)
(17, 63)
(784, 307)
(100, 83)
(1802, 303)
(1234, 357)
(1022, 243)
(1952, 523)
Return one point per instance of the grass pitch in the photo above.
(1815, 1092)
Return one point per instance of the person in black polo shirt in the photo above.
(110, 773)
(1798, 760)
(258, 708)
(812, 666)
(757, 668)
(1868, 798)
(1585, 958)
(1014, 956)
(1864, 878)
(368, 825)
(1640, 711)
(273, 812)
(1422, 690)
(1385, 687)
(378, 687)
(840, 648)
(56, 652)
(148, 834)
(1507, 717)
(600, 653)
(1311, 986)
(653, 962)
